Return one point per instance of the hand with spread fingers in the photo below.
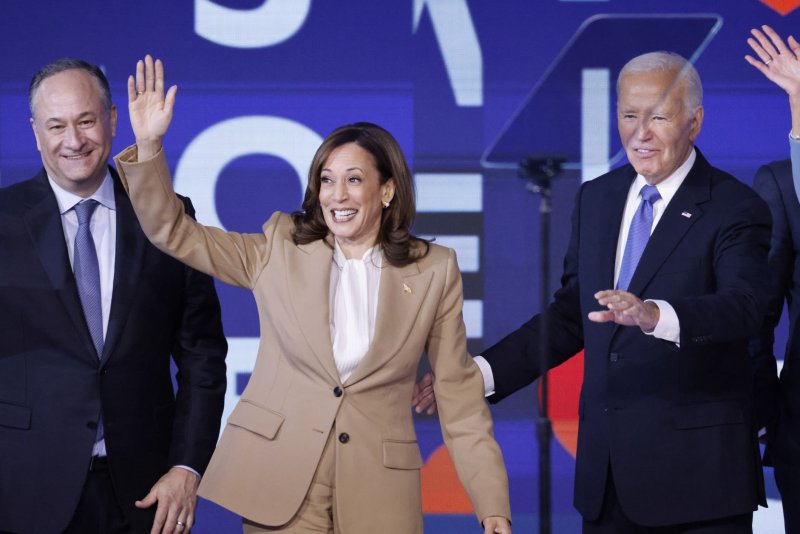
(625, 309)
(176, 495)
(777, 61)
(149, 107)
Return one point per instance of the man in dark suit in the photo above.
(778, 184)
(667, 438)
(89, 422)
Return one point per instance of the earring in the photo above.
(385, 204)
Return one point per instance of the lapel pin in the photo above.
(686, 214)
(406, 288)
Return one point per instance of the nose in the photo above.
(73, 137)
(340, 191)
(643, 129)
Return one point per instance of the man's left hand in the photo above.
(626, 309)
(176, 495)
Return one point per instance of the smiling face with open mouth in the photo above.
(73, 130)
(655, 124)
(351, 197)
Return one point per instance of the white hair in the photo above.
(668, 62)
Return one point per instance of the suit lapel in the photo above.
(131, 245)
(402, 291)
(682, 212)
(308, 270)
(43, 221)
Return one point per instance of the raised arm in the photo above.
(234, 258)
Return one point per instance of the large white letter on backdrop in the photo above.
(271, 23)
(215, 147)
(463, 59)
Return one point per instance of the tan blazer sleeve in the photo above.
(466, 423)
(234, 258)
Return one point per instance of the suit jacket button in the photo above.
(337, 391)
(344, 437)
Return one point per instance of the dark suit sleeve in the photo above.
(781, 263)
(515, 359)
(199, 352)
(736, 306)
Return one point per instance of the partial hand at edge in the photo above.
(423, 398)
(149, 108)
(176, 495)
(496, 524)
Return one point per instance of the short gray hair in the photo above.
(663, 61)
(61, 65)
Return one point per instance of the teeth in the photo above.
(343, 214)
(76, 156)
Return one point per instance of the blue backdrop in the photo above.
(261, 82)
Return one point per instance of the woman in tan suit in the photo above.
(323, 439)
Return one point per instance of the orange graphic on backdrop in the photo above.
(784, 7)
(442, 492)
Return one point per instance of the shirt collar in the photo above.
(372, 256)
(668, 187)
(66, 200)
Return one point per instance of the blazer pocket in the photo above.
(708, 414)
(401, 454)
(256, 419)
(15, 416)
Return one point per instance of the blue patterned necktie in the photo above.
(87, 273)
(638, 234)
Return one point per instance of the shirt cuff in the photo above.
(488, 377)
(668, 327)
(188, 469)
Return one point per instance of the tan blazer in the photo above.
(274, 438)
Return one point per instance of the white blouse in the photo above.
(353, 301)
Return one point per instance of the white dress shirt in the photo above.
(354, 286)
(103, 227)
(668, 326)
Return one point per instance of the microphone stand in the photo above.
(539, 172)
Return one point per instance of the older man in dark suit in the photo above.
(673, 253)
(89, 422)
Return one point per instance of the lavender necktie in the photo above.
(87, 276)
(87, 273)
(638, 234)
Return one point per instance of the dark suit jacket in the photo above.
(779, 404)
(674, 423)
(52, 385)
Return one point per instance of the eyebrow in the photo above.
(347, 170)
(85, 114)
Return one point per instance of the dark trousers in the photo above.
(98, 511)
(613, 520)
(788, 480)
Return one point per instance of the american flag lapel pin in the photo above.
(686, 214)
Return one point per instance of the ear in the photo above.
(36, 134)
(696, 123)
(113, 119)
(387, 190)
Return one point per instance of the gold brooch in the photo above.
(406, 288)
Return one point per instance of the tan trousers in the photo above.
(315, 515)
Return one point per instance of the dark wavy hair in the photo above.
(399, 246)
